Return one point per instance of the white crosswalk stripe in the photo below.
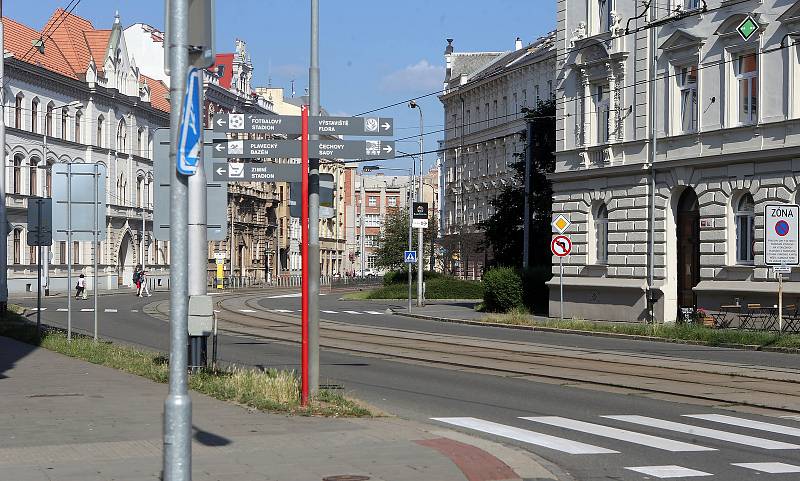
(670, 471)
(705, 432)
(353, 312)
(746, 423)
(285, 311)
(770, 468)
(34, 309)
(530, 437)
(87, 310)
(110, 310)
(330, 312)
(619, 434)
(376, 313)
(62, 309)
(246, 310)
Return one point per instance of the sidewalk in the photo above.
(69, 420)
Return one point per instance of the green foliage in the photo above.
(401, 276)
(502, 288)
(393, 240)
(439, 288)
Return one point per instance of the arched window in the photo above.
(18, 110)
(48, 120)
(122, 186)
(77, 130)
(140, 201)
(35, 115)
(33, 180)
(17, 249)
(601, 234)
(48, 180)
(744, 216)
(100, 129)
(122, 137)
(16, 175)
(140, 142)
(64, 123)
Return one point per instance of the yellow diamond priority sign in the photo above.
(561, 224)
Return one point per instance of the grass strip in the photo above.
(266, 390)
(438, 288)
(674, 332)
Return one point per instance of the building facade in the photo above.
(484, 97)
(78, 96)
(669, 146)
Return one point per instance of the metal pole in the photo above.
(39, 272)
(3, 213)
(178, 405)
(198, 254)
(420, 243)
(780, 303)
(69, 251)
(313, 215)
(304, 283)
(410, 197)
(651, 210)
(526, 231)
(96, 246)
(362, 227)
(561, 288)
(46, 262)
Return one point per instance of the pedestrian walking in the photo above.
(145, 289)
(80, 287)
(137, 280)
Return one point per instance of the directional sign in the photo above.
(256, 172)
(257, 148)
(40, 221)
(267, 124)
(781, 235)
(410, 257)
(190, 127)
(351, 149)
(351, 126)
(292, 124)
(561, 224)
(419, 215)
(561, 246)
(74, 201)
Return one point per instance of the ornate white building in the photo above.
(674, 132)
(77, 95)
(484, 95)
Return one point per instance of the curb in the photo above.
(632, 337)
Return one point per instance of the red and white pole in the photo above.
(304, 254)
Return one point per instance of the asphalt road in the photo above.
(560, 434)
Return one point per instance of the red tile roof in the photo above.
(159, 93)
(97, 41)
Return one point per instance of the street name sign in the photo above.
(40, 221)
(561, 224)
(292, 125)
(256, 172)
(419, 215)
(561, 246)
(256, 148)
(781, 235)
(410, 257)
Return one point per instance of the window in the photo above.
(62, 252)
(17, 246)
(691, 4)
(469, 121)
(16, 175)
(536, 93)
(32, 180)
(100, 127)
(605, 7)
(372, 220)
(18, 111)
(76, 252)
(122, 137)
(601, 234)
(139, 142)
(487, 114)
(373, 201)
(122, 186)
(549, 89)
(48, 180)
(603, 113)
(371, 258)
(747, 87)
(48, 120)
(35, 115)
(524, 97)
(745, 229)
(32, 254)
(140, 192)
(77, 130)
(392, 201)
(64, 120)
(516, 105)
(687, 83)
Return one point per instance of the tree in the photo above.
(504, 229)
(393, 240)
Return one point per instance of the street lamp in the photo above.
(420, 302)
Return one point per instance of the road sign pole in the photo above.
(177, 464)
(561, 288)
(69, 251)
(780, 303)
(313, 205)
(39, 270)
(200, 312)
(95, 246)
(304, 258)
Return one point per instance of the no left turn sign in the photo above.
(561, 246)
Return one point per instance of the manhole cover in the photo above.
(346, 477)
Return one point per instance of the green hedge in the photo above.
(502, 290)
(439, 288)
(401, 276)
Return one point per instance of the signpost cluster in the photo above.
(781, 244)
(561, 246)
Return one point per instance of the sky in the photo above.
(372, 53)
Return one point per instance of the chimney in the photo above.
(517, 44)
(449, 49)
(448, 60)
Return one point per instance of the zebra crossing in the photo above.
(611, 434)
(84, 309)
(324, 311)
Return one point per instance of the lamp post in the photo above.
(420, 301)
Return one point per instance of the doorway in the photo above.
(125, 261)
(688, 249)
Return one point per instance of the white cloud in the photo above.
(422, 76)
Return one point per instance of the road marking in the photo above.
(87, 310)
(353, 312)
(62, 309)
(282, 310)
(530, 437)
(110, 310)
(619, 434)
(771, 468)
(285, 296)
(246, 310)
(330, 312)
(374, 312)
(215, 310)
(669, 471)
(37, 309)
(746, 423)
(705, 432)
(134, 310)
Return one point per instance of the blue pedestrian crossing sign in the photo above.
(410, 257)
(190, 126)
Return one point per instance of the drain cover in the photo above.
(346, 477)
